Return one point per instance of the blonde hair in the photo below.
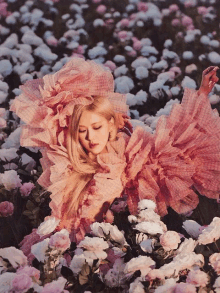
(83, 166)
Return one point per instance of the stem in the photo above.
(13, 231)
(217, 246)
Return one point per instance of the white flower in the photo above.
(10, 179)
(167, 287)
(188, 82)
(146, 204)
(15, 256)
(187, 246)
(187, 55)
(142, 263)
(123, 84)
(141, 61)
(5, 68)
(96, 52)
(8, 154)
(48, 226)
(205, 40)
(122, 70)
(6, 282)
(192, 228)
(77, 262)
(214, 57)
(217, 283)
(141, 97)
(114, 276)
(132, 219)
(210, 233)
(141, 72)
(39, 249)
(141, 237)
(148, 216)
(150, 228)
(136, 286)
(94, 247)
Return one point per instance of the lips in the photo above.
(92, 145)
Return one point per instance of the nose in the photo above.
(90, 135)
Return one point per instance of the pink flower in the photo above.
(55, 286)
(190, 27)
(109, 22)
(60, 240)
(202, 10)
(170, 240)
(3, 123)
(124, 22)
(175, 22)
(111, 258)
(133, 16)
(187, 21)
(122, 35)
(132, 53)
(96, 1)
(6, 208)
(197, 278)
(142, 6)
(185, 288)
(173, 8)
(101, 9)
(80, 50)
(52, 41)
(111, 65)
(21, 282)
(155, 274)
(188, 4)
(176, 70)
(26, 188)
(137, 45)
(179, 35)
(3, 9)
(30, 271)
(214, 260)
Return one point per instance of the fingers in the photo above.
(207, 70)
(210, 71)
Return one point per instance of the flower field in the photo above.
(154, 49)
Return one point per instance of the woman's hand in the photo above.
(123, 120)
(209, 79)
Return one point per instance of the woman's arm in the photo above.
(209, 79)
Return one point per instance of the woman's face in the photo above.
(93, 129)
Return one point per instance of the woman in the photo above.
(69, 111)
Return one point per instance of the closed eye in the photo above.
(94, 128)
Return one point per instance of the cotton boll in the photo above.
(47, 22)
(31, 39)
(36, 16)
(141, 72)
(141, 61)
(205, 40)
(76, 8)
(202, 57)
(17, 91)
(166, 76)
(22, 68)
(155, 86)
(25, 77)
(175, 90)
(214, 43)
(168, 43)
(25, 29)
(58, 65)
(135, 113)
(45, 69)
(99, 60)
(3, 97)
(4, 30)
(130, 99)
(4, 86)
(146, 42)
(214, 99)
(5, 68)
(170, 55)
(45, 54)
(160, 65)
(148, 50)
(122, 70)
(192, 228)
(11, 41)
(119, 59)
(130, 7)
(188, 55)
(141, 97)
(26, 17)
(72, 45)
(188, 82)
(124, 84)
(98, 22)
(10, 19)
(97, 51)
(152, 59)
(214, 57)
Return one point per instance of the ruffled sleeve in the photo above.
(182, 154)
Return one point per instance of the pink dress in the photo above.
(184, 152)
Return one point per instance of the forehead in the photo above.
(88, 118)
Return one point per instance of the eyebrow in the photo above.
(92, 124)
